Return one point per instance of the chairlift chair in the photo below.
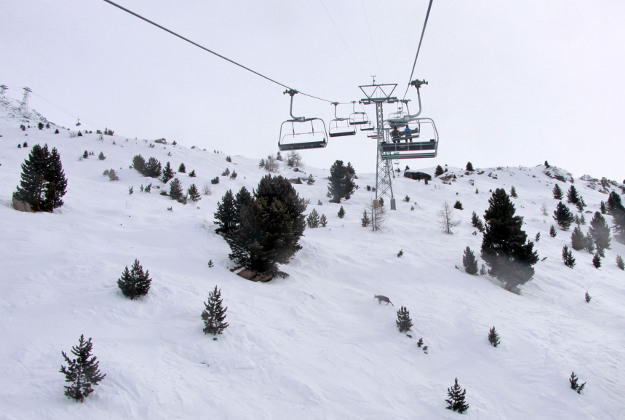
(358, 117)
(425, 147)
(367, 127)
(340, 126)
(300, 132)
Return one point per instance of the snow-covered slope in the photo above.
(315, 345)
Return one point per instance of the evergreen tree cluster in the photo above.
(264, 229)
(469, 262)
(43, 181)
(563, 216)
(152, 168)
(342, 183)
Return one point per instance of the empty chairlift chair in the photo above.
(340, 126)
(302, 132)
(358, 117)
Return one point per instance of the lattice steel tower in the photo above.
(24, 104)
(379, 94)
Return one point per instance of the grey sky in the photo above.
(510, 83)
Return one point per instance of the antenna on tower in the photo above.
(24, 104)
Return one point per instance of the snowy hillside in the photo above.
(314, 345)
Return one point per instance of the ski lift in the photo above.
(406, 147)
(367, 126)
(400, 118)
(301, 132)
(78, 124)
(340, 126)
(358, 117)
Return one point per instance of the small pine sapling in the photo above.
(85, 155)
(234, 175)
(101, 156)
(456, 400)
(182, 169)
(192, 173)
(493, 337)
(210, 264)
(476, 222)
(469, 262)
(228, 159)
(620, 263)
(194, 194)
(404, 323)
(341, 213)
(134, 283)
(82, 372)
(407, 199)
(552, 231)
(587, 297)
(214, 314)
(537, 237)
(513, 193)
(226, 172)
(574, 385)
(420, 342)
(567, 257)
(313, 219)
(130, 190)
(215, 180)
(483, 270)
(364, 221)
(400, 253)
(596, 260)
(323, 221)
(458, 205)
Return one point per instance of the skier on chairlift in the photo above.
(408, 134)
(395, 134)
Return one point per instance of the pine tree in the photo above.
(493, 337)
(620, 263)
(313, 219)
(364, 221)
(456, 401)
(323, 221)
(270, 227)
(504, 246)
(469, 167)
(578, 240)
(101, 156)
(513, 193)
(168, 173)
(214, 314)
(476, 222)
(134, 283)
(596, 260)
(192, 174)
(439, 170)
(341, 213)
(567, 257)
(138, 162)
(458, 205)
(404, 323)
(603, 207)
(600, 232)
(469, 262)
(572, 196)
(552, 231)
(563, 216)
(574, 385)
(83, 372)
(617, 210)
(194, 194)
(341, 181)
(176, 191)
(56, 182)
(589, 243)
(557, 192)
(226, 216)
(587, 297)
(182, 169)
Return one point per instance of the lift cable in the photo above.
(375, 53)
(213, 52)
(336, 28)
(427, 15)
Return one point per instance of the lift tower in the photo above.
(379, 94)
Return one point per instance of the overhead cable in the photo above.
(427, 15)
(210, 51)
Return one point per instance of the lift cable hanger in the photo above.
(212, 52)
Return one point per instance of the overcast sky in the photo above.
(510, 83)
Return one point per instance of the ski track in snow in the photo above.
(314, 345)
